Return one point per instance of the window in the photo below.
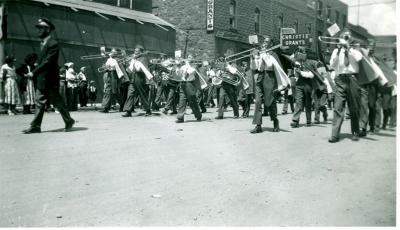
(308, 28)
(124, 3)
(257, 20)
(280, 21)
(320, 6)
(296, 25)
(328, 13)
(232, 13)
(344, 21)
(337, 16)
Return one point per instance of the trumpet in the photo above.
(227, 59)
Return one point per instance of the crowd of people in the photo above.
(18, 90)
(351, 80)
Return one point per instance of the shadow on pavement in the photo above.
(270, 129)
(384, 134)
(349, 136)
(74, 129)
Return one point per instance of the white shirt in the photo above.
(111, 63)
(337, 61)
(70, 75)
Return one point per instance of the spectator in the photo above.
(26, 85)
(83, 86)
(7, 72)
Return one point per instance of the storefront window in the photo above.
(232, 12)
(257, 20)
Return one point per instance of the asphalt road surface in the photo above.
(150, 171)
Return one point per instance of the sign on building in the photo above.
(333, 30)
(210, 15)
(295, 40)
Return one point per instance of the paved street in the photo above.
(150, 171)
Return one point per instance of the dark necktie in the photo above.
(346, 58)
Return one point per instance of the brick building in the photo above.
(234, 20)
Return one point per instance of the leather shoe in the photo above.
(103, 111)
(317, 122)
(148, 113)
(198, 119)
(127, 114)
(294, 124)
(308, 124)
(164, 111)
(68, 125)
(179, 121)
(257, 129)
(284, 112)
(32, 130)
(219, 118)
(363, 133)
(333, 140)
(235, 117)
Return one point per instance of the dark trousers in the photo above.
(72, 98)
(137, 87)
(42, 98)
(152, 92)
(123, 93)
(161, 93)
(210, 95)
(245, 102)
(303, 100)
(83, 97)
(288, 100)
(229, 91)
(320, 103)
(368, 97)
(172, 97)
(200, 99)
(347, 89)
(187, 95)
(265, 85)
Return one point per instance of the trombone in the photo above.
(249, 51)
(335, 41)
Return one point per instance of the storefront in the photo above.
(82, 27)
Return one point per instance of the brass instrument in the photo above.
(334, 40)
(235, 58)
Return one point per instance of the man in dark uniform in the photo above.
(187, 93)
(47, 79)
(267, 69)
(139, 73)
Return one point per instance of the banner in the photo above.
(295, 40)
(210, 15)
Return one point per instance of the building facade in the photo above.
(208, 28)
(82, 27)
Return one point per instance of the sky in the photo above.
(378, 19)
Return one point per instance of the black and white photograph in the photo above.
(198, 113)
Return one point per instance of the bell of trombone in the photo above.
(333, 40)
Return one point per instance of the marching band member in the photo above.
(110, 78)
(139, 74)
(289, 96)
(304, 88)
(227, 71)
(368, 92)
(345, 61)
(187, 93)
(270, 77)
(202, 93)
(212, 89)
(171, 79)
(246, 95)
(321, 94)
